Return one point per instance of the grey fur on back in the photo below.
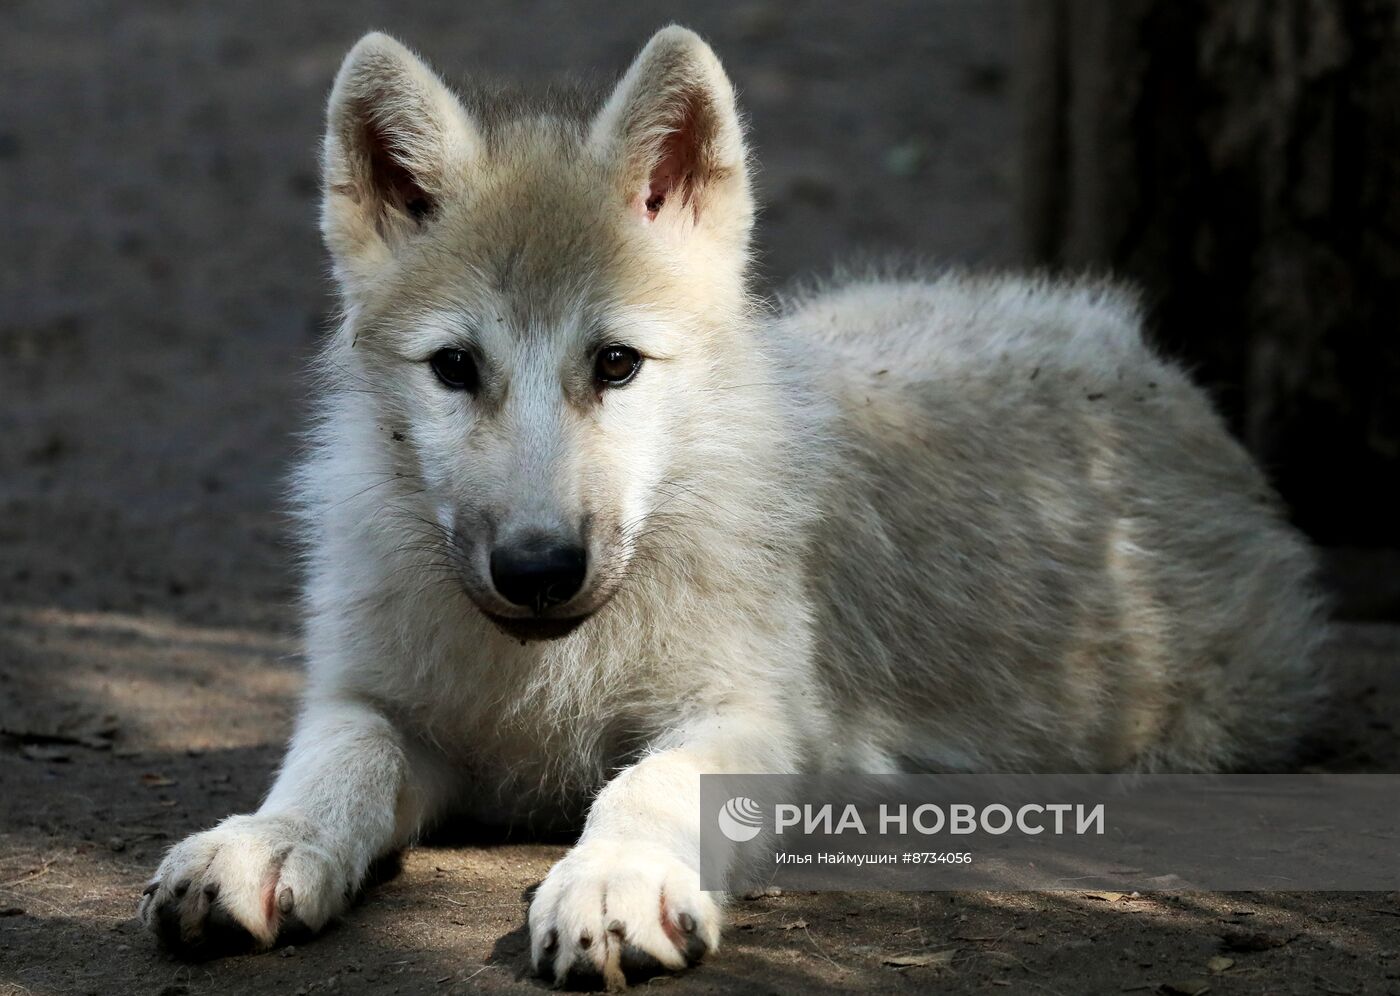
(1064, 560)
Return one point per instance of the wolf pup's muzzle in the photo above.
(538, 573)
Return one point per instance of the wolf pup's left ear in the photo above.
(397, 146)
(673, 128)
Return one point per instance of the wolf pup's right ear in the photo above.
(396, 147)
(672, 128)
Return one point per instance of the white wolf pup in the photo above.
(584, 521)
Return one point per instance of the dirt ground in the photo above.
(161, 289)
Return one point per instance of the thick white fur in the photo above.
(952, 524)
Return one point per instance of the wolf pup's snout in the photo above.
(538, 572)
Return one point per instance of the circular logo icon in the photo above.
(740, 819)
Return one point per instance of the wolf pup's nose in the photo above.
(537, 575)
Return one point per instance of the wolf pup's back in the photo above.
(1041, 547)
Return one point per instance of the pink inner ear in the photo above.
(393, 185)
(673, 176)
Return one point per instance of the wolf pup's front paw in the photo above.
(610, 906)
(249, 878)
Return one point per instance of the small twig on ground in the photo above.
(455, 902)
(819, 949)
(29, 876)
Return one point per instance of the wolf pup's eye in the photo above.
(616, 365)
(455, 368)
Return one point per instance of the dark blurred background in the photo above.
(1240, 161)
(162, 286)
(162, 290)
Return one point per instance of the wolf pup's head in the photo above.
(533, 296)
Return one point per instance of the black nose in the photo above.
(537, 574)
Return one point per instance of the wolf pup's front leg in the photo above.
(628, 894)
(347, 793)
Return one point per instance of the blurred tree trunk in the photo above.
(1240, 160)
